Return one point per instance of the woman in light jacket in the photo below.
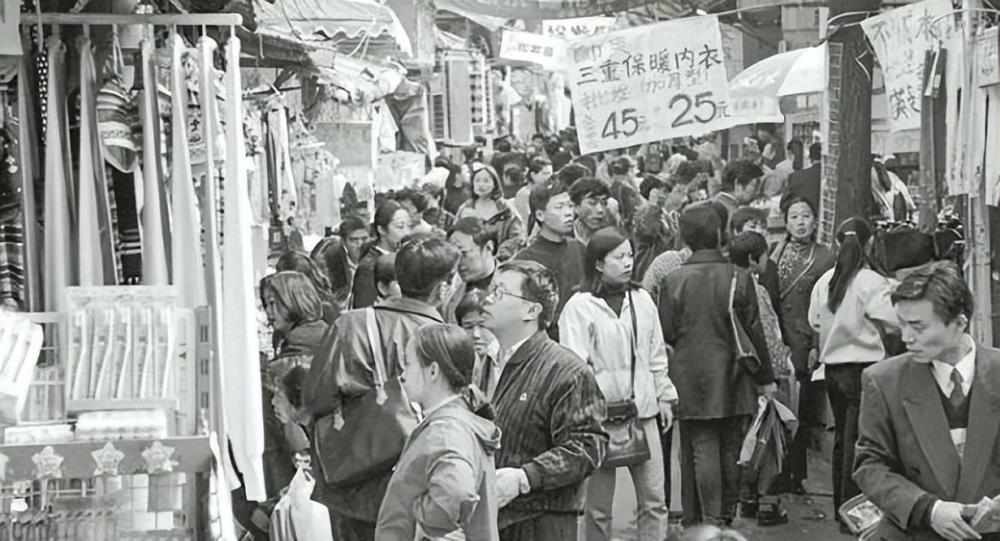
(443, 485)
(851, 310)
(597, 324)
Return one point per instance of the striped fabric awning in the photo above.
(543, 9)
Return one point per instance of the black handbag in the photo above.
(627, 444)
(745, 355)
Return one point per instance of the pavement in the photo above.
(810, 516)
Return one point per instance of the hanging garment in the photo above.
(188, 270)
(58, 259)
(242, 402)
(992, 165)
(29, 169)
(95, 248)
(213, 263)
(155, 230)
(286, 193)
(12, 265)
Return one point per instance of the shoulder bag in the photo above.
(369, 439)
(745, 355)
(627, 445)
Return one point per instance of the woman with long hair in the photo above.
(444, 482)
(801, 261)
(295, 313)
(488, 204)
(301, 262)
(851, 310)
(390, 227)
(613, 325)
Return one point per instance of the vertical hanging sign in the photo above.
(900, 38)
(648, 83)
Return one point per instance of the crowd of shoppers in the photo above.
(509, 338)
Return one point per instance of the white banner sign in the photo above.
(648, 83)
(536, 48)
(577, 28)
(900, 38)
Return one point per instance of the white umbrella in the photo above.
(754, 93)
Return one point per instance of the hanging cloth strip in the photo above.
(29, 168)
(155, 230)
(213, 263)
(58, 260)
(95, 245)
(287, 195)
(188, 269)
(243, 396)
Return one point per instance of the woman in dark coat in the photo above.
(392, 225)
(299, 261)
(801, 261)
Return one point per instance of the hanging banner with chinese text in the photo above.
(579, 27)
(900, 38)
(648, 83)
(549, 52)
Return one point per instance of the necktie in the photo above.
(957, 396)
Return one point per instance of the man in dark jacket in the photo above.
(548, 407)
(341, 375)
(717, 392)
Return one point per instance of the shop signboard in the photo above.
(648, 83)
(546, 51)
(579, 27)
(900, 38)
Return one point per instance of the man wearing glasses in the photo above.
(548, 407)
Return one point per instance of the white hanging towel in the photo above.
(242, 402)
(288, 197)
(58, 258)
(95, 246)
(154, 251)
(188, 270)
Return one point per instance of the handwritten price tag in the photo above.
(648, 83)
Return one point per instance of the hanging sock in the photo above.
(58, 257)
(154, 231)
(240, 323)
(95, 245)
(188, 269)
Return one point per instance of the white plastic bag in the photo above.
(296, 517)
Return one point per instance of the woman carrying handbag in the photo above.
(613, 325)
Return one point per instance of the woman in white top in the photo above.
(602, 324)
(851, 310)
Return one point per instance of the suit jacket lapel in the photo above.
(984, 410)
(926, 414)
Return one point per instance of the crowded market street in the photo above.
(494, 270)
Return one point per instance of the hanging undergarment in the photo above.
(58, 259)
(155, 228)
(12, 264)
(188, 269)
(243, 389)
(95, 246)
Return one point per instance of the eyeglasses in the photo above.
(495, 293)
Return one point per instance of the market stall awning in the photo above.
(546, 9)
(320, 20)
(754, 93)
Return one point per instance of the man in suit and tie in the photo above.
(927, 443)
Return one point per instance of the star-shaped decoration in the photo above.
(48, 465)
(158, 458)
(108, 459)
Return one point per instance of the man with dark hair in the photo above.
(805, 183)
(927, 448)
(572, 172)
(549, 409)
(554, 246)
(654, 229)
(590, 199)
(539, 174)
(686, 171)
(746, 219)
(338, 255)
(741, 183)
(718, 388)
(340, 380)
(623, 190)
(477, 244)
